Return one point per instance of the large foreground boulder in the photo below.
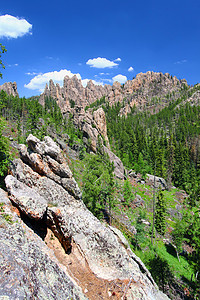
(28, 200)
(42, 168)
(28, 268)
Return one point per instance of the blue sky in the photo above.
(99, 40)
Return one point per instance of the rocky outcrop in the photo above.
(95, 131)
(149, 180)
(72, 90)
(139, 91)
(119, 170)
(29, 269)
(28, 201)
(102, 249)
(159, 181)
(193, 100)
(100, 120)
(93, 126)
(10, 88)
(150, 88)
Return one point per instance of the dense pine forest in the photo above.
(164, 143)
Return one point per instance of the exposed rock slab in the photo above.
(27, 199)
(159, 181)
(118, 165)
(53, 193)
(29, 270)
(46, 159)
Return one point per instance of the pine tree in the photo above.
(4, 152)
(170, 161)
(2, 50)
(140, 228)
(127, 191)
(160, 214)
(98, 185)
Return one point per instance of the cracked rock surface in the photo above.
(28, 268)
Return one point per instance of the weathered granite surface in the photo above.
(10, 88)
(28, 268)
(28, 200)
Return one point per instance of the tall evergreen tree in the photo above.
(2, 50)
(160, 213)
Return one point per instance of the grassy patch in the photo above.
(6, 216)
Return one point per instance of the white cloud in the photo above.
(118, 59)
(130, 69)
(108, 80)
(39, 81)
(14, 65)
(13, 27)
(32, 73)
(120, 78)
(101, 63)
(180, 62)
(104, 73)
(85, 82)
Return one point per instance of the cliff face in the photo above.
(92, 125)
(10, 88)
(45, 206)
(137, 92)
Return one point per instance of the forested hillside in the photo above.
(162, 224)
(166, 143)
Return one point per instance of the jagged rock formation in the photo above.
(29, 269)
(138, 91)
(94, 129)
(10, 88)
(72, 90)
(103, 250)
(119, 170)
(73, 98)
(92, 126)
(159, 181)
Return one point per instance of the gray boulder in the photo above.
(53, 193)
(26, 198)
(46, 159)
(118, 165)
(159, 181)
(28, 268)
